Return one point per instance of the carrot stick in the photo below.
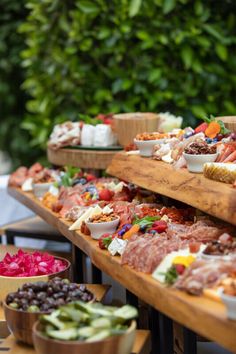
(134, 229)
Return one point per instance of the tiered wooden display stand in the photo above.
(94, 159)
(202, 315)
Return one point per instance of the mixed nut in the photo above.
(103, 218)
(200, 148)
(151, 136)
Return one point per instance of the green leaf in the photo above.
(198, 7)
(154, 75)
(187, 56)
(88, 7)
(134, 7)
(221, 51)
(214, 32)
(168, 6)
(198, 111)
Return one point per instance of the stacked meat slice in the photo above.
(145, 253)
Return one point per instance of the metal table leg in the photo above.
(162, 333)
(96, 275)
(190, 341)
(77, 264)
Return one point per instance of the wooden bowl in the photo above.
(128, 125)
(11, 284)
(20, 323)
(122, 344)
(230, 122)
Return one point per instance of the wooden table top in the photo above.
(202, 315)
(142, 345)
(94, 159)
(215, 198)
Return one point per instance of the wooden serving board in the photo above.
(81, 158)
(142, 345)
(204, 316)
(215, 198)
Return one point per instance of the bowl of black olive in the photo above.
(25, 306)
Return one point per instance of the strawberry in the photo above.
(104, 241)
(159, 226)
(201, 128)
(180, 268)
(90, 177)
(108, 121)
(105, 194)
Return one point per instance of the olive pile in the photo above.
(47, 296)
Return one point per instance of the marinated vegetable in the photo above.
(87, 321)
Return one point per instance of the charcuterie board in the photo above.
(215, 198)
(204, 316)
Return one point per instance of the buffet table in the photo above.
(202, 315)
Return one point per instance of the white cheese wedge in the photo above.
(117, 246)
(107, 210)
(159, 272)
(167, 158)
(86, 215)
(115, 187)
(54, 191)
(27, 186)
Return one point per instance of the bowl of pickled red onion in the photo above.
(23, 267)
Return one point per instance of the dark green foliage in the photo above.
(12, 100)
(117, 56)
(92, 56)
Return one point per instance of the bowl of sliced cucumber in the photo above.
(86, 328)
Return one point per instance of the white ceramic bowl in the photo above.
(97, 229)
(230, 303)
(39, 189)
(195, 163)
(146, 146)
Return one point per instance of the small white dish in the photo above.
(195, 163)
(39, 189)
(97, 229)
(230, 303)
(146, 146)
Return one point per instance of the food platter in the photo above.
(200, 314)
(215, 198)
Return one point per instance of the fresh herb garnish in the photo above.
(171, 275)
(146, 221)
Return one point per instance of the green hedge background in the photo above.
(92, 56)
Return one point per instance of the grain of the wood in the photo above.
(4, 332)
(215, 198)
(99, 290)
(229, 122)
(81, 158)
(128, 125)
(142, 344)
(200, 314)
